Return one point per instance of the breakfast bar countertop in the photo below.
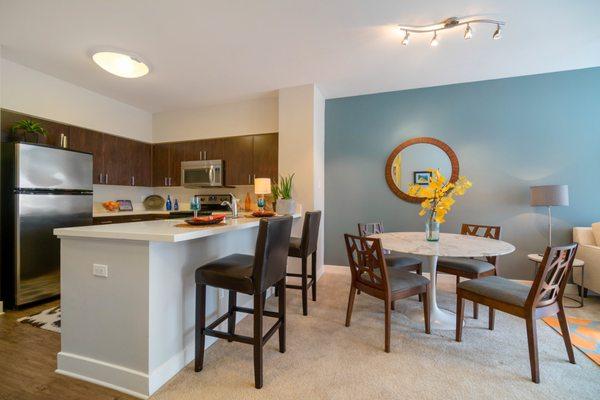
(158, 231)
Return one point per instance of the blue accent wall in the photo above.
(509, 134)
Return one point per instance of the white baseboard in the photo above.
(126, 380)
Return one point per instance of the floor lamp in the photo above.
(548, 196)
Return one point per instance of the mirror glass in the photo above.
(411, 164)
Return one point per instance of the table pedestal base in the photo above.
(440, 319)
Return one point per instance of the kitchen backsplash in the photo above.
(137, 194)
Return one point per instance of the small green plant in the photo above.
(27, 126)
(285, 187)
(275, 191)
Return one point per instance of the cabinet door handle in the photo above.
(106, 222)
(205, 154)
(133, 181)
(101, 178)
(249, 180)
(106, 178)
(136, 219)
(169, 181)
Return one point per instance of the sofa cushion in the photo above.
(596, 232)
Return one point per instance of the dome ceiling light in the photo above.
(121, 64)
(451, 23)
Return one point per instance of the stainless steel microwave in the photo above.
(202, 173)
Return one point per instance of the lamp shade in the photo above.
(262, 185)
(550, 195)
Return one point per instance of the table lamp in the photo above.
(548, 196)
(262, 186)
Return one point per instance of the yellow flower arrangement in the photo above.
(439, 195)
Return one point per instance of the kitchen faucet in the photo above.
(233, 205)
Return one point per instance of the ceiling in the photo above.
(212, 52)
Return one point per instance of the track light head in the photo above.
(434, 41)
(406, 38)
(468, 32)
(497, 33)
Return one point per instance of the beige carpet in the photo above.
(325, 360)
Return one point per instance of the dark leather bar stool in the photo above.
(251, 275)
(302, 248)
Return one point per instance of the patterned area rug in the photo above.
(48, 319)
(585, 335)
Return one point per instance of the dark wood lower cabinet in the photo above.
(120, 219)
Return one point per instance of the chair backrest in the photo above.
(366, 261)
(270, 256)
(310, 232)
(551, 278)
(485, 231)
(371, 228)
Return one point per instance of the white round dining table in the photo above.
(449, 245)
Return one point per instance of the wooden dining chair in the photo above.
(393, 259)
(371, 275)
(472, 268)
(544, 298)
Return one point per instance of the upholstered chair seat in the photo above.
(466, 265)
(402, 280)
(401, 261)
(498, 288)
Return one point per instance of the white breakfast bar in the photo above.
(133, 329)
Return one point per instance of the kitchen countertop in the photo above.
(158, 231)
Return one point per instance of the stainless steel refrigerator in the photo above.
(42, 188)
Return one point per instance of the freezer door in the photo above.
(37, 249)
(40, 167)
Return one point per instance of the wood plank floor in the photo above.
(28, 361)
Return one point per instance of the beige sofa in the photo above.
(588, 252)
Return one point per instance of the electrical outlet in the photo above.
(100, 270)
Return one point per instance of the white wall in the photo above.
(235, 119)
(301, 149)
(31, 92)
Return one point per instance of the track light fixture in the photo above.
(449, 24)
(468, 32)
(434, 40)
(406, 38)
(497, 34)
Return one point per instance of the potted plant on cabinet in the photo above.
(284, 204)
(28, 130)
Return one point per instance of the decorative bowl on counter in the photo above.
(263, 214)
(154, 202)
(205, 220)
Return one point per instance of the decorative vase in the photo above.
(432, 230)
(285, 206)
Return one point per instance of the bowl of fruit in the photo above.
(111, 206)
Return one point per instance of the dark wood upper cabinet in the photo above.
(209, 149)
(140, 165)
(178, 152)
(238, 154)
(161, 164)
(82, 139)
(265, 156)
(116, 160)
